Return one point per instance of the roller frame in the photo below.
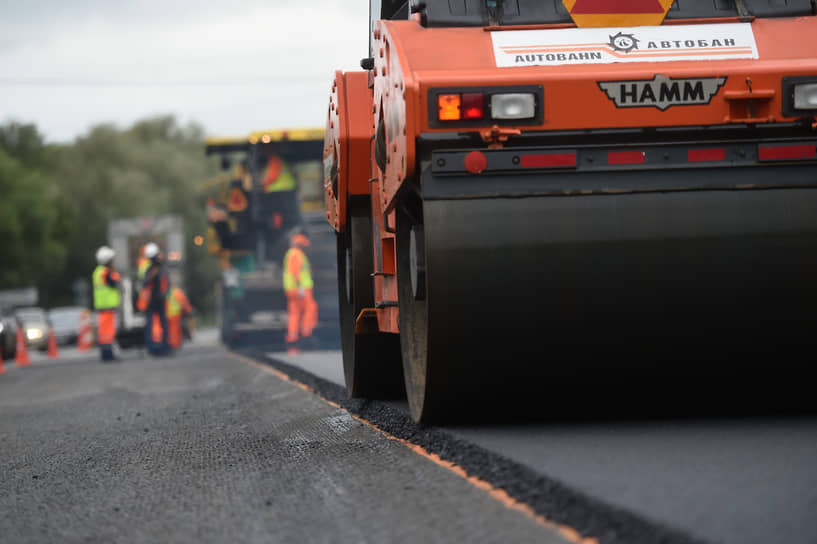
(535, 275)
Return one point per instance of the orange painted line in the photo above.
(498, 494)
(684, 49)
(690, 54)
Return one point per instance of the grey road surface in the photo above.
(204, 447)
(733, 481)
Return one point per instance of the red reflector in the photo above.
(777, 152)
(625, 157)
(703, 155)
(548, 160)
(473, 106)
(476, 162)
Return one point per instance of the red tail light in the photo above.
(473, 106)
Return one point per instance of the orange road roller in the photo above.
(526, 189)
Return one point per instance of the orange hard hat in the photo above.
(301, 240)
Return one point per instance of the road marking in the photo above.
(499, 494)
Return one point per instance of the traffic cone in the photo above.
(53, 352)
(22, 351)
(84, 341)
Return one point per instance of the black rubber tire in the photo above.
(371, 362)
(423, 391)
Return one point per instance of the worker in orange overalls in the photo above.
(178, 307)
(302, 309)
(106, 301)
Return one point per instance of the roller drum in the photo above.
(521, 291)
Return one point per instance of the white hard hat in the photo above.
(151, 250)
(104, 255)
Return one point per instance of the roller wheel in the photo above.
(423, 387)
(371, 362)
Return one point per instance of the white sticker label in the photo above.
(637, 44)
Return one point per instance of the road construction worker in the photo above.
(302, 309)
(178, 308)
(153, 299)
(277, 176)
(106, 301)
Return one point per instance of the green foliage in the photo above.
(63, 196)
(30, 221)
(24, 143)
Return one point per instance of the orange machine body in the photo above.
(410, 61)
(347, 144)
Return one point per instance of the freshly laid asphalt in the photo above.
(211, 447)
(206, 447)
(735, 480)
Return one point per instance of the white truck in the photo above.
(126, 236)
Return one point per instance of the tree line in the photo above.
(56, 200)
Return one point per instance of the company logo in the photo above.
(623, 42)
(662, 92)
(566, 46)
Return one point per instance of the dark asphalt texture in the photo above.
(750, 480)
(206, 448)
(733, 481)
(549, 497)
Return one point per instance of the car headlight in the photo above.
(1, 327)
(805, 96)
(34, 334)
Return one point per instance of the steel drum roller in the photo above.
(526, 289)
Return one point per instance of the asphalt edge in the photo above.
(560, 506)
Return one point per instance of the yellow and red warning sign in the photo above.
(617, 13)
(237, 200)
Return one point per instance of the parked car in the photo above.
(65, 321)
(35, 323)
(8, 334)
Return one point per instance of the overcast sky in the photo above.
(234, 67)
